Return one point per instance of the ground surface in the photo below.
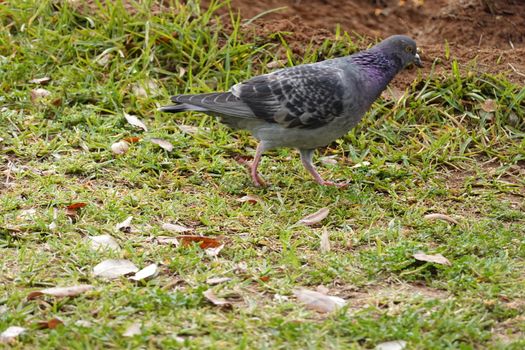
(448, 140)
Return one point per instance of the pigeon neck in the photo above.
(379, 69)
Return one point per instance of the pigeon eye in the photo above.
(409, 49)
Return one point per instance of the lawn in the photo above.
(450, 144)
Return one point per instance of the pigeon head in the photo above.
(401, 48)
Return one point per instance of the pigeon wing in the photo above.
(307, 96)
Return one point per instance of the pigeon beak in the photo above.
(417, 61)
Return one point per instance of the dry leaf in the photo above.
(84, 323)
(249, 198)
(175, 228)
(120, 147)
(189, 129)
(41, 81)
(433, 258)
(328, 160)
(214, 251)
(114, 268)
(61, 291)
(163, 144)
(167, 240)
(133, 329)
(217, 280)
(149, 87)
(27, 214)
(211, 297)
(131, 139)
(325, 241)
(10, 334)
(103, 242)
(50, 324)
(73, 209)
(39, 93)
(392, 345)
(489, 105)
(441, 217)
(204, 242)
(315, 218)
(317, 301)
(147, 272)
(360, 165)
(135, 121)
(124, 225)
(276, 64)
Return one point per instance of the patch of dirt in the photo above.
(490, 32)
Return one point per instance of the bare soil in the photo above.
(489, 32)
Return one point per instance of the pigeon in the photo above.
(305, 106)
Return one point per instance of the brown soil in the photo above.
(490, 32)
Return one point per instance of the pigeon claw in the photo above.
(336, 184)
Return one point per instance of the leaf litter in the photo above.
(70, 291)
(114, 268)
(314, 218)
(317, 301)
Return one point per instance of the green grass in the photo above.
(434, 150)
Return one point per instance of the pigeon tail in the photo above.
(181, 108)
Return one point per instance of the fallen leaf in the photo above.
(315, 218)
(125, 225)
(360, 165)
(163, 144)
(175, 228)
(147, 272)
(217, 280)
(39, 93)
(135, 121)
(189, 129)
(148, 87)
(10, 334)
(84, 323)
(114, 268)
(211, 297)
(61, 291)
(204, 242)
(41, 81)
(133, 329)
(328, 160)
(489, 105)
(103, 59)
(433, 258)
(120, 147)
(27, 214)
(73, 209)
(276, 64)
(50, 324)
(131, 139)
(392, 345)
(167, 240)
(325, 241)
(103, 242)
(213, 251)
(441, 217)
(249, 198)
(264, 278)
(317, 301)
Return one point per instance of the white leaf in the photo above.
(52, 226)
(189, 129)
(120, 147)
(214, 251)
(62, 291)
(11, 333)
(103, 242)
(163, 144)
(83, 323)
(217, 280)
(42, 81)
(133, 120)
(124, 225)
(443, 217)
(133, 329)
(317, 301)
(210, 296)
(392, 345)
(167, 240)
(325, 241)
(315, 218)
(114, 268)
(435, 258)
(39, 93)
(359, 165)
(175, 228)
(147, 272)
(250, 198)
(328, 160)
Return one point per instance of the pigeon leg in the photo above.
(306, 159)
(257, 180)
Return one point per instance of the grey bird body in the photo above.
(306, 106)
